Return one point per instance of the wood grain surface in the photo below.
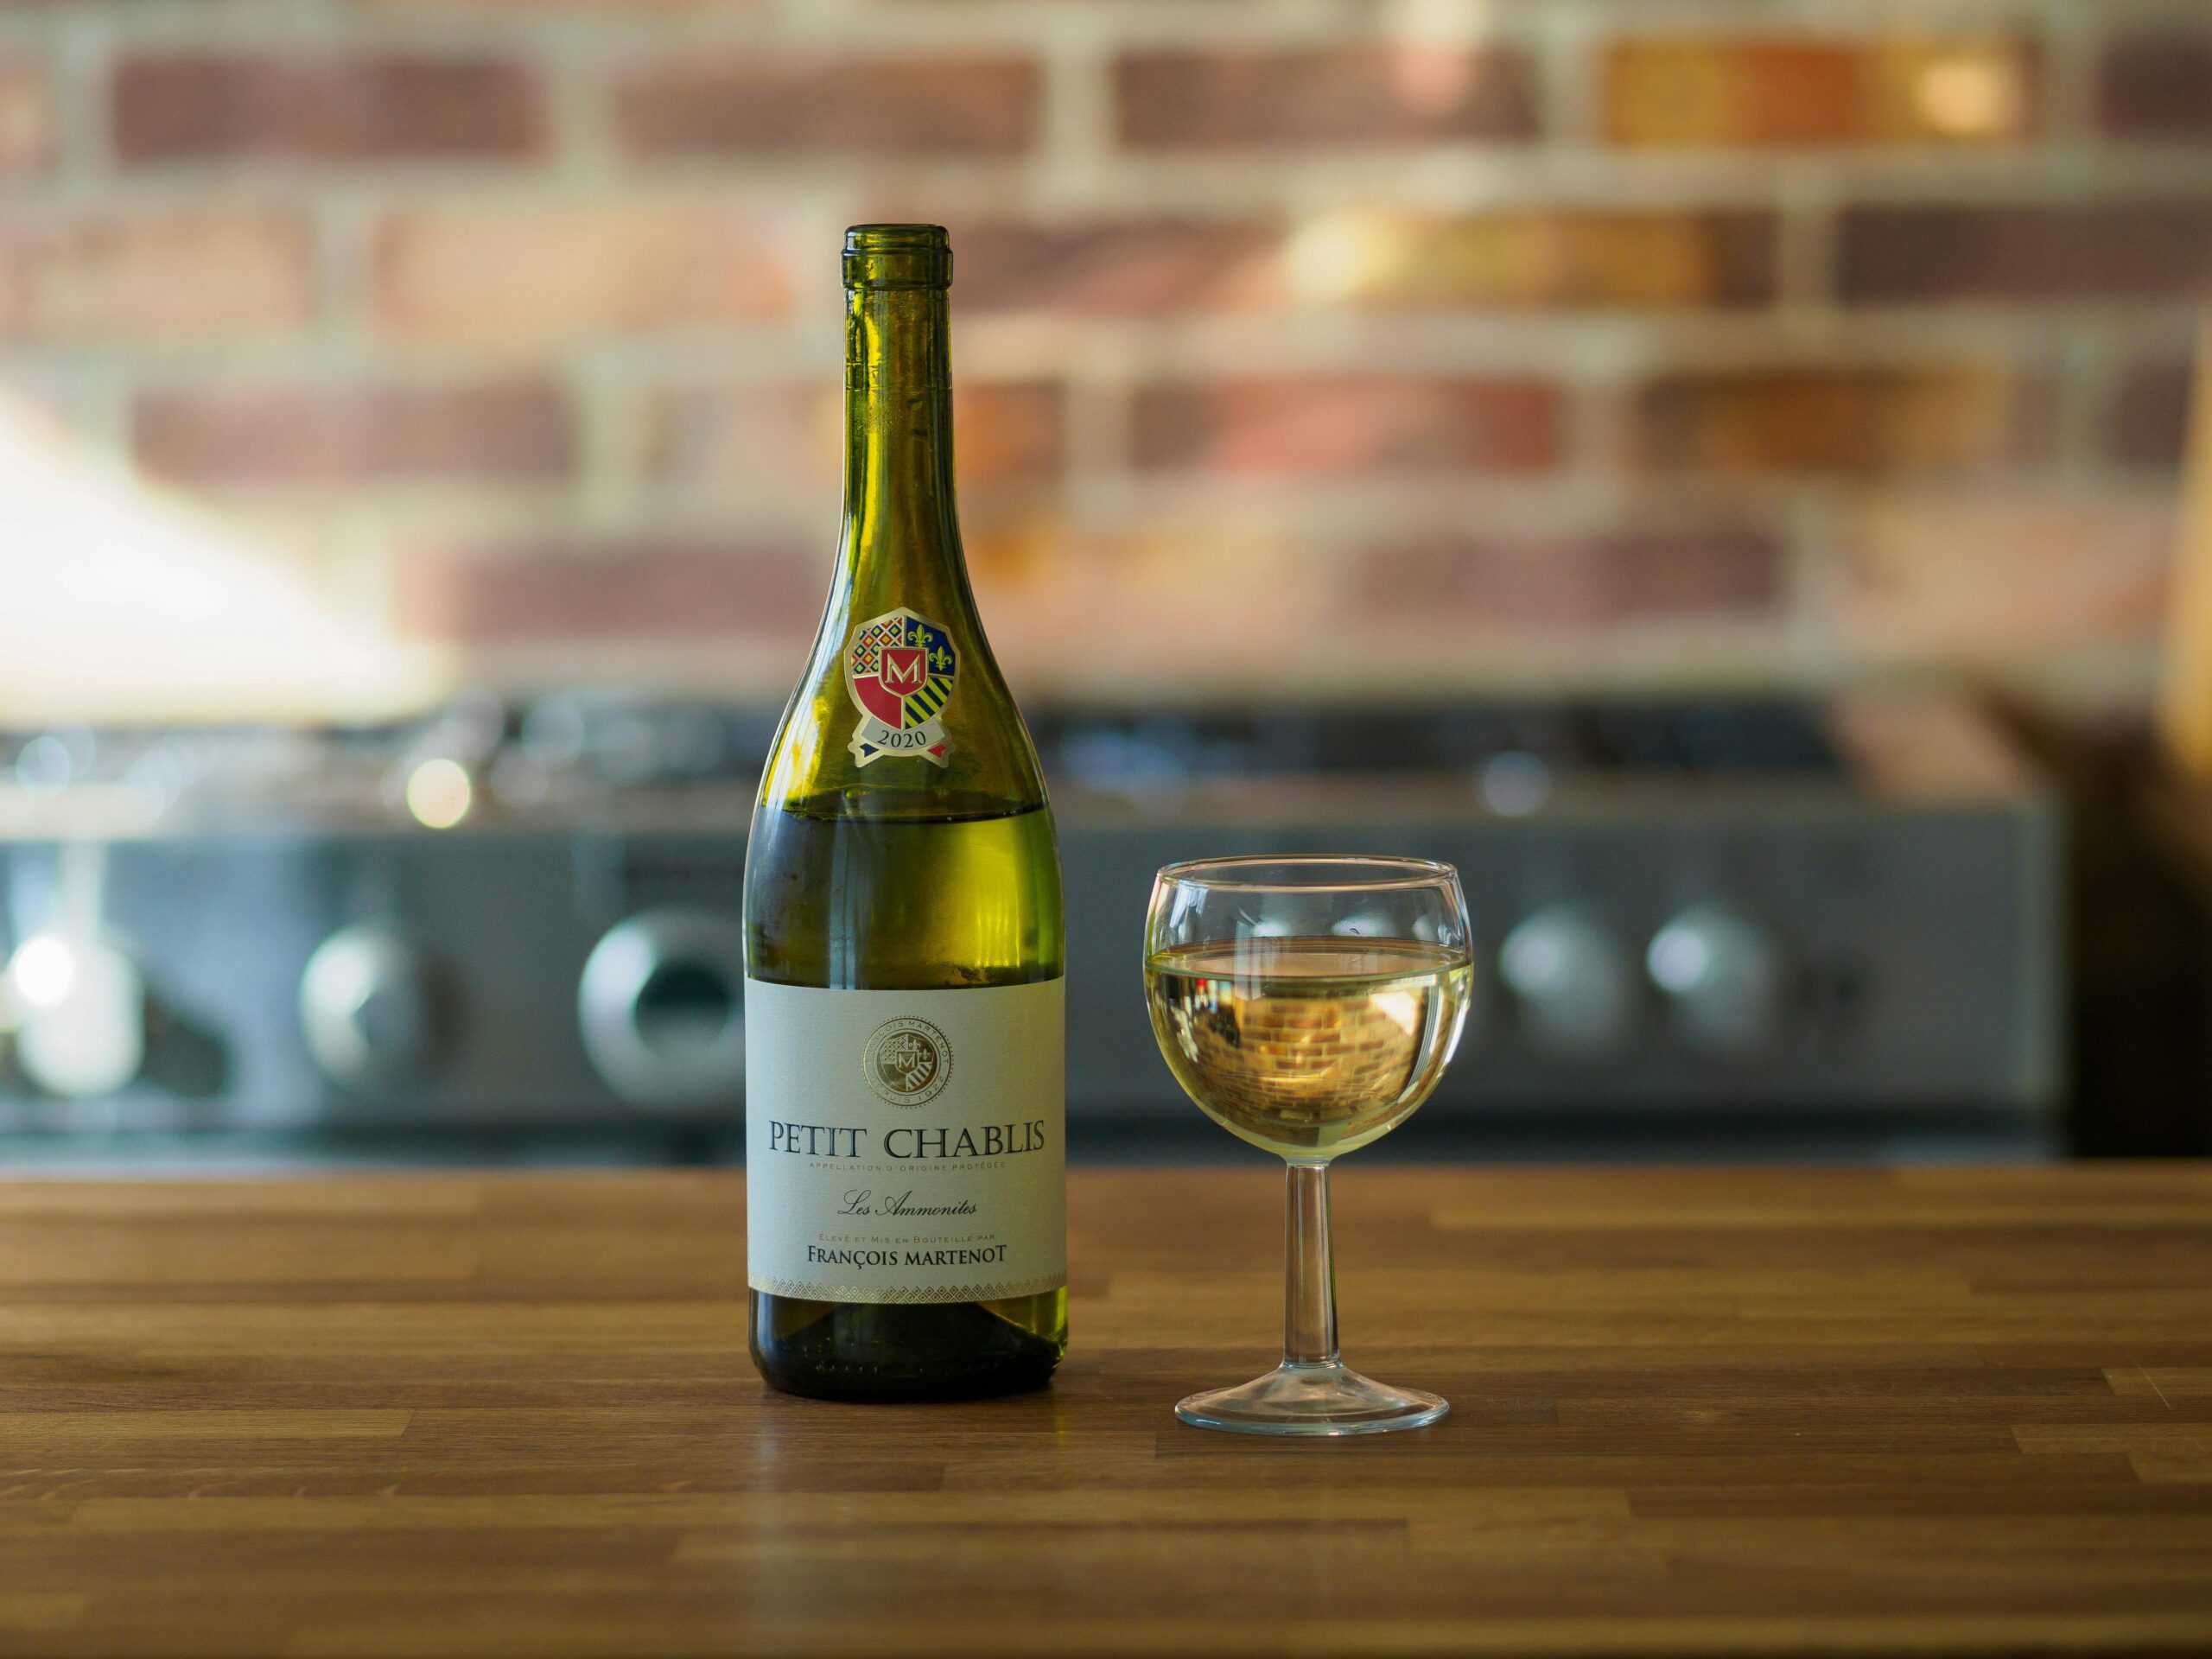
(1751, 1412)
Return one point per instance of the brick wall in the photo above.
(1311, 342)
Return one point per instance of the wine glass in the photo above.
(1308, 1005)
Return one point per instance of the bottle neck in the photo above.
(899, 494)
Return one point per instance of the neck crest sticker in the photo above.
(899, 669)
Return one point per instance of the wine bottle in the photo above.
(904, 1093)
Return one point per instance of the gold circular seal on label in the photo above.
(906, 1061)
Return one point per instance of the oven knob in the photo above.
(662, 1009)
(1573, 982)
(369, 1008)
(80, 1004)
(1723, 976)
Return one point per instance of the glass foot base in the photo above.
(1328, 1399)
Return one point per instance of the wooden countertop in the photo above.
(1748, 1411)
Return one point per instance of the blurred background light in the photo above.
(1972, 96)
(439, 793)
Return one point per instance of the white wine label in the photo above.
(905, 1145)
(899, 669)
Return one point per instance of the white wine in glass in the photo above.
(1308, 1006)
(1308, 1047)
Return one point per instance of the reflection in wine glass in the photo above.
(1308, 1006)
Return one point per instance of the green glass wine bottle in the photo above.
(905, 1095)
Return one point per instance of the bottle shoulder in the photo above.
(916, 806)
(924, 746)
(923, 902)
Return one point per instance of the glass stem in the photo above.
(1309, 1303)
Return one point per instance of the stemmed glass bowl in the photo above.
(1308, 1005)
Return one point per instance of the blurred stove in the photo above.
(1750, 918)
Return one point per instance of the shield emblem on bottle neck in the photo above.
(900, 668)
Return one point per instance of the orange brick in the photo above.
(1330, 95)
(1841, 420)
(1069, 606)
(509, 433)
(1560, 259)
(2133, 249)
(1295, 427)
(2157, 85)
(644, 590)
(175, 106)
(2146, 421)
(1727, 90)
(1985, 577)
(892, 106)
(25, 119)
(652, 9)
(513, 276)
(155, 276)
(1597, 581)
(1127, 267)
(789, 434)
